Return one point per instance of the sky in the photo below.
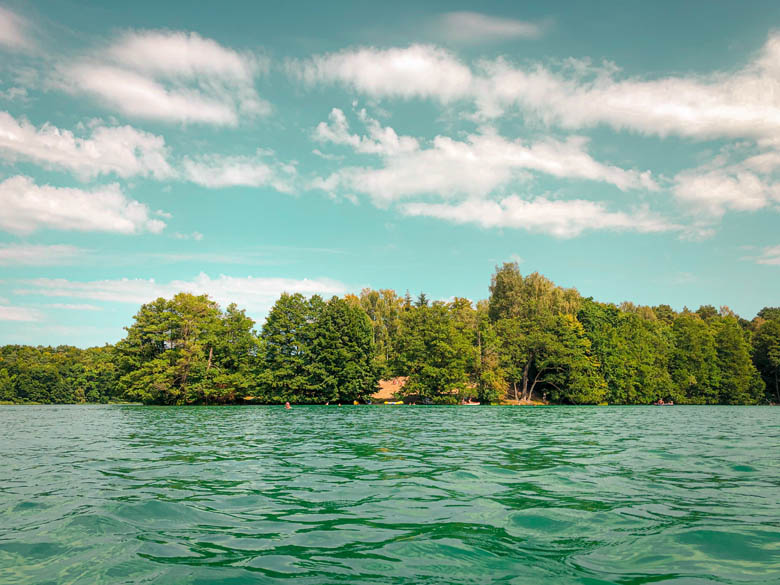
(628, 149)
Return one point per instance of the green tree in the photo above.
(341, 365)
(489, 376)
(184, 351)
(433, 352)
(766, 348)
(287, 338)
(694, 360)
(740, 382)
(7, 390)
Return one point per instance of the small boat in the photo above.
(394, 402)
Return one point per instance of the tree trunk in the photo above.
(514, 384)
(777, 388)
(533, 385)
(211, 355)
(525, 378)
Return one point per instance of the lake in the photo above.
(383, 494)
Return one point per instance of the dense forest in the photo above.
(530, 340)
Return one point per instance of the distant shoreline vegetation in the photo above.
(531, 340)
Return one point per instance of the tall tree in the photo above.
(341, 365)
(694, 365)
(287, 338)
(433, 352)
(740, 382)
(184, 350)
(766, 348)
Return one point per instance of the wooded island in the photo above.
(529, 340)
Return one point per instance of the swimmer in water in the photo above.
(287, 406)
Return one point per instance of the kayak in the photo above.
(397, 402)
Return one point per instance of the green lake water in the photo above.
(369, 495)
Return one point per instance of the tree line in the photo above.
(530, 340)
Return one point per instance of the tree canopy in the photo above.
(529, 340)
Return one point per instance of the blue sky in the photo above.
(628, 149)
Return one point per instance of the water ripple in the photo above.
(412, 495)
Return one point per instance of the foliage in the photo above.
(186, 351)
(766, 348)
(530, 340)
(433, 351)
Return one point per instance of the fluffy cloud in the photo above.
(185, 55)
(716, 191)
(579, 95)
(380, 140)
(257, 295)
(11, 313)
(474, 167)
(216, 171)
(563, 219)
(28, 207)
(473, 27)
(122, 150)
(170, 76)
(416, 71)
(14, 31)
(738, 179)
(575, 95)
(38, 255)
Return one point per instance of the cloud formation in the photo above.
(573, 95)
(28, 207)
(121, 150)
(562, 219)
(217, 171)
(770, 256)
(474, 167)
(14, 31)
(474, 27)
(23, 314)
(256, 294)
(170, 76)
(416, 71)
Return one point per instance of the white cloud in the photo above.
(27, 207)
(122, 150)
(181, 54)
(563, 219)
(745, 103)
(575, 95)
(381, 140)
(257, 295)
(14, 93)
(38, 255)
(197, 236)
(170, 76)
(25, 314)
(474, 167)
(417, 71)
(473, 27)
(770, 255)
(14, 31)
(73, 307)
(718, 190)
(735, 179)
(215, 171)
